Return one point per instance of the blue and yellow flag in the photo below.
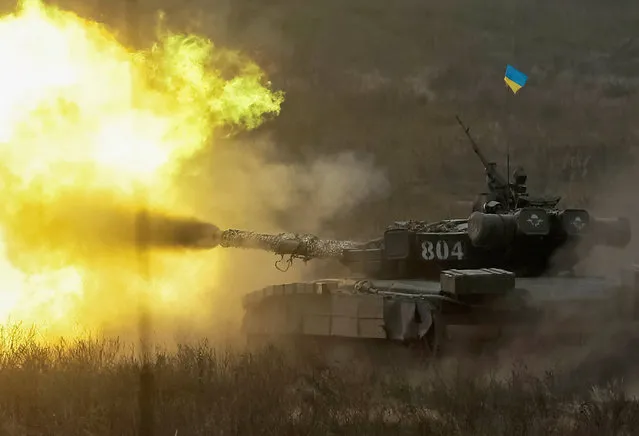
(514, 79)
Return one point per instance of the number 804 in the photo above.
(442, 250)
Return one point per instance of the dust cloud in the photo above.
(246, 184)
(616, 354)
(264, 192)
(611, 352)
(617, 197)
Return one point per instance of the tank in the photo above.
(505, 272)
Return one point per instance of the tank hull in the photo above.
(428, 318)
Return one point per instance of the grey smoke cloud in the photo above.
(249, 185)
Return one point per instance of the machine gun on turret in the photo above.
(504, 196)
(497, 184)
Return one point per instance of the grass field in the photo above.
(90, 387)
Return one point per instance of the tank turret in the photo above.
(510, 229)
(522, 240)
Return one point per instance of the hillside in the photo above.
(387, 79)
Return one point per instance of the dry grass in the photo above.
(90, 386)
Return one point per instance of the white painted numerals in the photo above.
(441, 250)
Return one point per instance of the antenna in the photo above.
(508, 191)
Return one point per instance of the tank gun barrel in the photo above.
(306, 246)
(201, 235)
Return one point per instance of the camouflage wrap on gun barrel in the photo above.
(304, 246)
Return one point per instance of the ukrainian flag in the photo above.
(514, 79)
